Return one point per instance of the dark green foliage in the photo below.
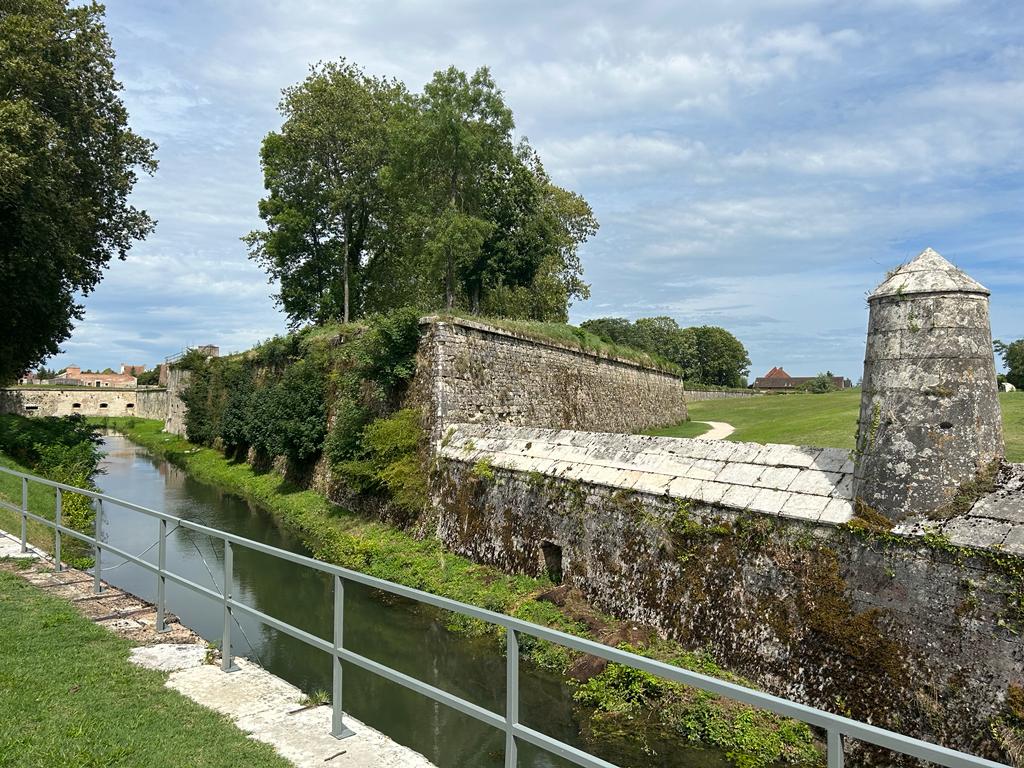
(345, 439)
(1013, 359)
(386, 353)
(378, 198)
(820, 384)
(62, 449)
(707, 354)
(388, 460)
(277, 398)
(148, 378)
(68, 163)
(41, 441)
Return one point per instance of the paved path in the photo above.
(719, 430)
(264, 706)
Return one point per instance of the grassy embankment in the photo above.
(69, 696)
(754, 738)
(827, 420)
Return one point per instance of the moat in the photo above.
(410, 638)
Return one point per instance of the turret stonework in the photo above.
(929, 414)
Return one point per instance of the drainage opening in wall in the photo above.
(76, 405)
(552, 554)
(103, 405)
(130, 405)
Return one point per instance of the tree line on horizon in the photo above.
(379, 198)
(705, 354)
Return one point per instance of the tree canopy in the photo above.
(68, 162)
(1013, 359)
(379, 198)
(706, 354)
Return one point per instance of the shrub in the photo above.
(388, 461)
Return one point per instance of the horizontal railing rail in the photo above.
(836, 727)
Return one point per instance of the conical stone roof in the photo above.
(928, 272)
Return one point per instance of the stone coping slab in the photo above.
(812, 484)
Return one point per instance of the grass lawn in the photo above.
(69, 696)
(40, 501)
(828, 420)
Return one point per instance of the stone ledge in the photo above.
(810, 484)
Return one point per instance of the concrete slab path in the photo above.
(266, 707)
(719, 430)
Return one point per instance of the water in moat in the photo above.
(403, 635)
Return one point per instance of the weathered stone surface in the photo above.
(929, 418)
(740, 476)
(768, 580)
(474, 373)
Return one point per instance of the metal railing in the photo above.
(836, 727)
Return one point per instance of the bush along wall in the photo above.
(324, 406)
(65, 450)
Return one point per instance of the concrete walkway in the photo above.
(719, 430)
(262, 705)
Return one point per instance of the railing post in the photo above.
(97, 566)
(225, 647)
(338, 728)
(57, 518)
(161, 579)
(511, 697)
(24, 514)
(835, 749)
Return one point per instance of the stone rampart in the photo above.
(754, 553)
(475, 373)
(177, 380)
(57, 401)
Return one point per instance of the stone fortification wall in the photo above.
(696, 395)
(753, 552)
(471, 372)
(177, 380)
(151, 403)
(56, 401)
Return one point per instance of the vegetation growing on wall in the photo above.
(62, 449)
(330, 390)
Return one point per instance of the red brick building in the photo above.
(778, 379)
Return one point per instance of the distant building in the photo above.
(132, 370)
(28, 378)
(76, 377)
(778, 379)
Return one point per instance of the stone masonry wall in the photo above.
(470, 372)
(177, 380)
(54, 401)
(754, 553)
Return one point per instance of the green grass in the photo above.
(69, 696)
(827, 421)
(40, 501)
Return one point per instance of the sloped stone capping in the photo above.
(754, 553)
(474, 373)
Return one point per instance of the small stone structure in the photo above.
(929, 418)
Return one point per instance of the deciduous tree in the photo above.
(68, 162)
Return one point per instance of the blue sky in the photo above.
(755, 164)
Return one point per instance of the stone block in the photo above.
(769, 501)
(777, 478)
(741, 474)
(814, 482)
(739, 496)
(684, 487)
(804, 507)
(837, 512)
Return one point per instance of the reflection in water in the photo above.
(406, 636)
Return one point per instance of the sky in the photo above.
(754, 164)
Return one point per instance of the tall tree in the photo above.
(721, 358)
(322, 171)
(68, 162)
